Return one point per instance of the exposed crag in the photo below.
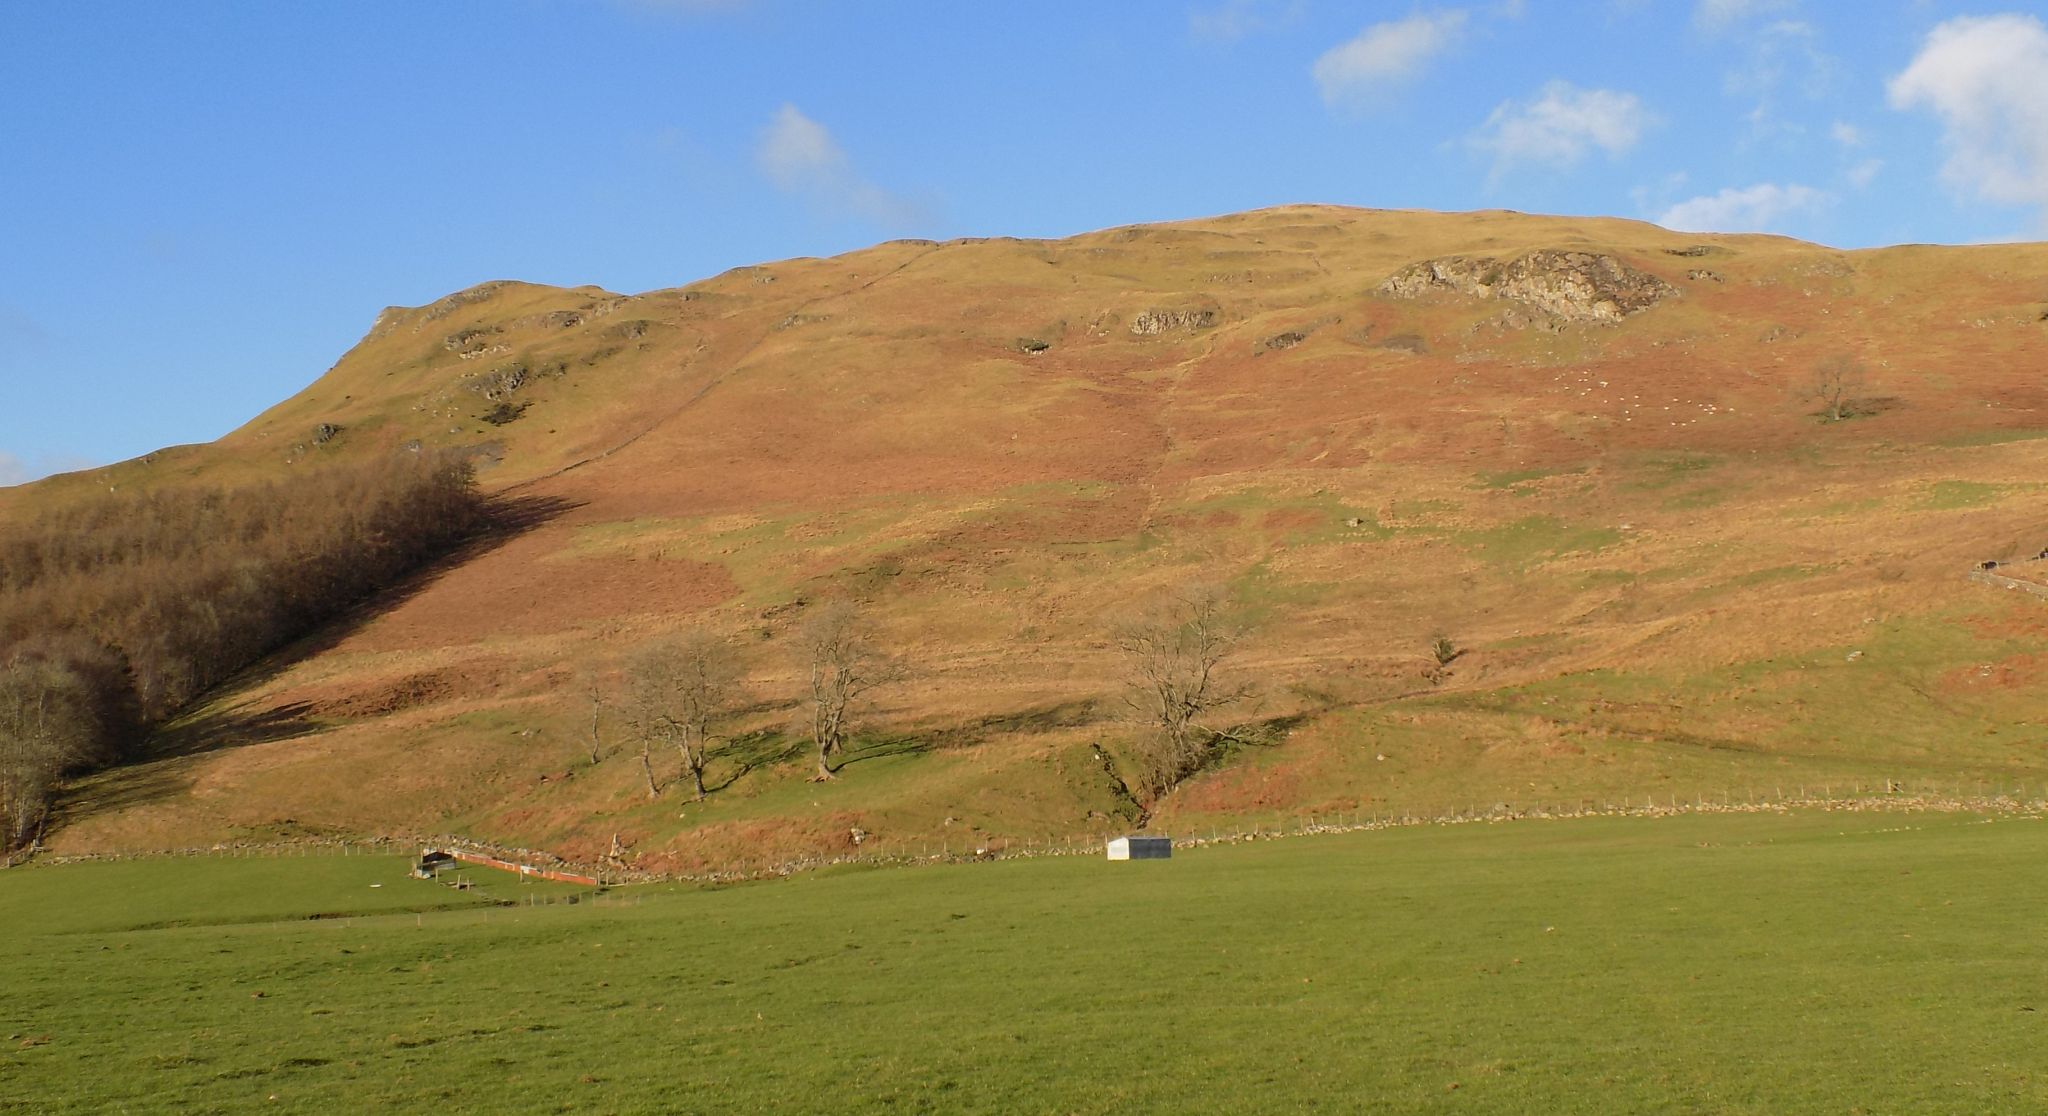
(1573, 287)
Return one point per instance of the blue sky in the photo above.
(202, 205)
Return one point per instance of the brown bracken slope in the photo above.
(1582, 449)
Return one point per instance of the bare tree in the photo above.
(647, 766)
(682, 688)
(844, 664)
(1173, 650)
(1835, 384)
(593, 690)
(46, 726)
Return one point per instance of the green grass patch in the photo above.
(1991, 438)
(1513, 477)
(1535, 539)
(1746, 964)
(1955, 495)
(1889, 702)
(1696, 499)
(1845, 508)
(1308, 519)
(1259, 594)
(1664, 470)
(215, 890)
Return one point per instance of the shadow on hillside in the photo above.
(862, 751)
(749, 752)
(232, 726)
(158, 777)
(770, 747)
(118, 789)
(1026, 722)
(506, 518)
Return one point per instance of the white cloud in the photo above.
(796, 150)
(1562, 125)
(15, 469)
(1384, 56)
(800, 157)
(1719, 15)
(1757, 208)
(1782, 54)
(1864, 172)
(1986, 77)
(1846, 134)
(1234, 19)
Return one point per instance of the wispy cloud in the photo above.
(801, 158)
(686, 7)
(16, 469)
(1758, 208)
(1561, 125)
(1987, 79)
(1232, 20)
(1382, 58)
(1719, 15)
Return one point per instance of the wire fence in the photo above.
(1984, 796)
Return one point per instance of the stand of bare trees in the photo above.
(1173, 650)
(63, 705)
(133, 606)
(844, 664)
(682, 687)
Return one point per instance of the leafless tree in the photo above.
(1835, 384)
(45, 727)
(1173, 650)
(682, 688)
(844, 664)
(594, 692)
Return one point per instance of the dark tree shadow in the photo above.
(119, 789)
(1032, 721)
(219, 727)
(748, 752)
(861, 751)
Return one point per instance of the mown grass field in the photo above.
(1838, 962)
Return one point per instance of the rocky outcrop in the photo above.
(1572, 287)
(482, 292)
(469, 342)
(1152, 323)
(500, 382)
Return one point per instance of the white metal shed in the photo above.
(1140, 848)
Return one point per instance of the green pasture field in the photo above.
(1765, 963)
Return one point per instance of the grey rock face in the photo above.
(1569, 286)
(1152, 323)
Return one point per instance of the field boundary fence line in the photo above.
(879, 850)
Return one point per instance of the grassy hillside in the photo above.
(1769, 963)
(1664, 565)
